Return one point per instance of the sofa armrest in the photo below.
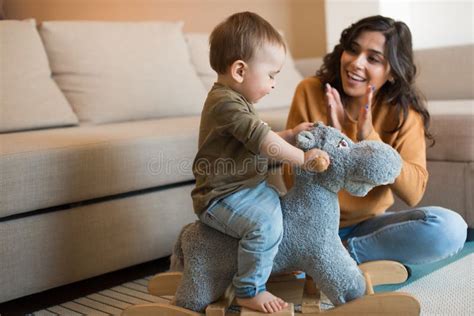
(308, 66)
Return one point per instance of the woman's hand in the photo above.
(336, 113)
(364, 122)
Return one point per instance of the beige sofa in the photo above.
(98, 130)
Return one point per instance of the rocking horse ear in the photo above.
(305, 140)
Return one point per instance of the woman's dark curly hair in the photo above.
(401, 93)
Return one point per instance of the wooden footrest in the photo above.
(288, 311)
(164, 283)
(385, 272)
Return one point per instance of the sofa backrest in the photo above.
(122, 71)
(446, 73)
(109, 72)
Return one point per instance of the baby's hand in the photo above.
(306, 126)
(316, 160)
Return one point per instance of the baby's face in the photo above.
(259, 78)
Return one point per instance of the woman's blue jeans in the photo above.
(254, 216)
(417, 236)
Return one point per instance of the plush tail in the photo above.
(177, 257)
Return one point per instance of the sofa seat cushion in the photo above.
(29, 98)
(41, 169)
(452, 125)
(122, 71)
(53, 167)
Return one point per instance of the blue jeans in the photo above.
(417, 236)
(254, 216)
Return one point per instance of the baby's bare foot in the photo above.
(263, 302)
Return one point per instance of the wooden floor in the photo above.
(29, 304)
(115, 300)
(113, 295)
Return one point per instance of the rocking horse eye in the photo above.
(342, 144)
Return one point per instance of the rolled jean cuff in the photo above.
(248, 292)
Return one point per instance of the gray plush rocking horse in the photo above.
(208, 258)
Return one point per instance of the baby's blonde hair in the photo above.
(238, 37)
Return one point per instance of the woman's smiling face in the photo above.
(363, 63)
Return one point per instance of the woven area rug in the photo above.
(443, 288)
(448, 291)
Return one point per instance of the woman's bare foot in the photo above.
(263, 302)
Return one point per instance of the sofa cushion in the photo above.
(276, 118)
(308, 66)
(198, 44)
(30, 99)
(121, 71)
(446, 73)
(452, 125)
(59, 166)
(287, 79)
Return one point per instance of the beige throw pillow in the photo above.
(29, 98)
(120, 71)
(287, 80)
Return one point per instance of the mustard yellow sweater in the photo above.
(309, 105)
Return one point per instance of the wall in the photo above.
(302, 21)
(433, 23)
(341, 13)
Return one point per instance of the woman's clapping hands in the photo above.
(337, 114)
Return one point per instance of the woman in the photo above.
(366, 89)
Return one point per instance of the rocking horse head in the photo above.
(355, 167)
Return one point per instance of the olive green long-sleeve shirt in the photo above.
(230, 136)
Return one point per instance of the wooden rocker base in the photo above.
(298, 291)
(155, 309)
